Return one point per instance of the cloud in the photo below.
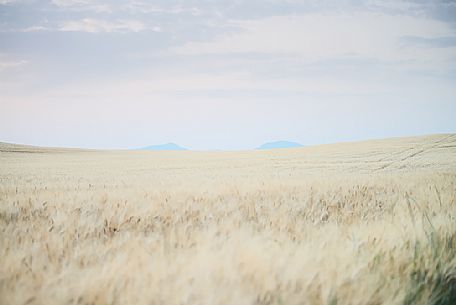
(84, 5)
(142, 7)
(65, 3)
(318, 36)
(11, 64)
(147, 7)
(99, 26)
(90, 25)
(5, 2)
(437, 42)
(34, 28)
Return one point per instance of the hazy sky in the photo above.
(224, 74)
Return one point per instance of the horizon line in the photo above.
(186, 149)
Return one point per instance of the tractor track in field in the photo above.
(416, 152)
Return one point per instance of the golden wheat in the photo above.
(354, 223)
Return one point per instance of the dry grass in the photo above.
(357, 223)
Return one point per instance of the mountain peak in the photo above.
(279, 144)
(167, 146)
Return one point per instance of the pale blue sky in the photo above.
(224, 74)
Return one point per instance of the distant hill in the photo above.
(280, 144)
(167, 146)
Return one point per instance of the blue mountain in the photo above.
(279, 144)
(167, 146)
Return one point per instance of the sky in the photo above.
(226, 75)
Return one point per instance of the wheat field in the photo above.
(351, 223)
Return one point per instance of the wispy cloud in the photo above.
(145, 7)
(65, 3)
(84, 5)
(435, 42)
(91, 25)
(316, 36)
(11, 64)
(4, 2)
(142, 7)
(34, 28)
(99, 26)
